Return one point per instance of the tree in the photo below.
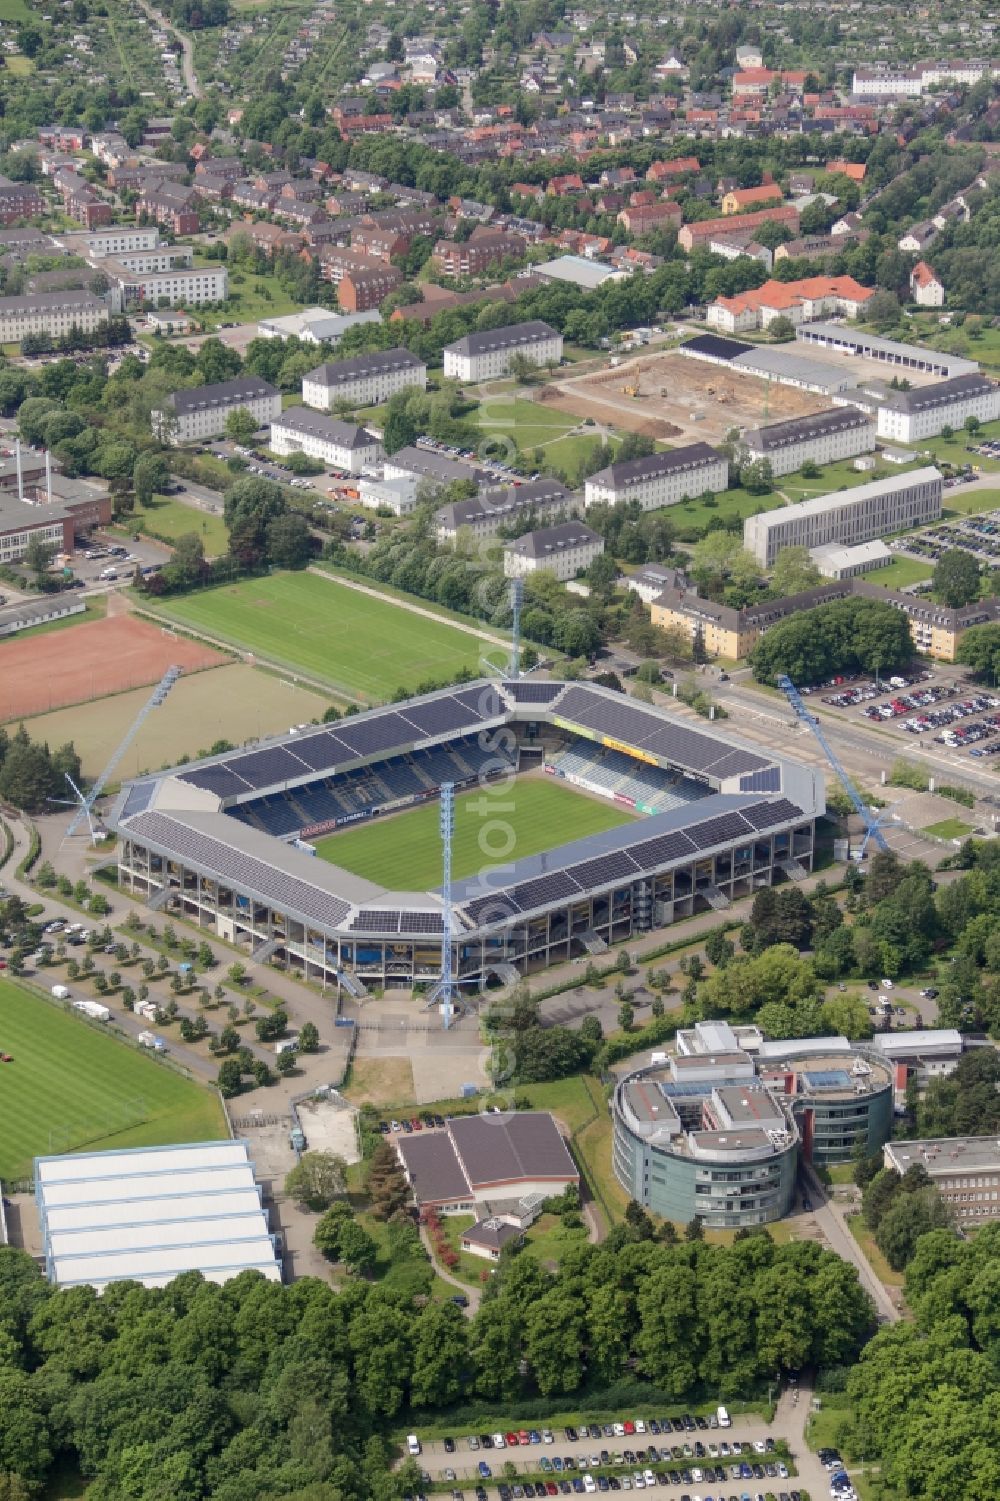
(308, 1038)
(286, 1063)
(979, 648)
(341, 1238)
(400, 430)
(882, 310)
(272, 1026)
(230, 1078)
(794, 571)
(386, 1182)
(149, 476)
(781, 330)
(956, 578)
(38, 556)
(289, 543)
(241, 425)
(317, 1179)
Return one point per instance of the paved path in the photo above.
(187, 47)
(833, 1222)
(472, 1293)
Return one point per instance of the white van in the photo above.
(412, 1444)
(60, 992)
(725, 1421)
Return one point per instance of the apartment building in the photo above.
(564, 550)
(824, 437)
(849, 516)
(119, 239)
(474, 256)
(201, 411)
(910, 83)
(363, 288)
(340, 445)
(19, 200)
(661, 479)
(52, 313)
(745, 200)
(172, 205)
(925, 287)
(965, 1170)
(488, 354)
(798, 301)
(185, 286)
(365, 380)
(690, 236)
(923, 412)
(429, 469)
(496, 507)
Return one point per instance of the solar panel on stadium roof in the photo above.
(716, 347)
(731, 762)
(661, 850)
(534, 693)
(420, 922)
(769, 815)
(138, 798)
(376, 922)
(384, 732)
(321, 752)
(718, 830)
(218, 779)
(543, 889)
(439, 716)
(262, 768)
(617, 865)
(497, 907)
(245, 872)
(484, 701)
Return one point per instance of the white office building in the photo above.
(488, 354)
(564, 550)
(661, 479)
(847, 517)
(149, 1214)
(201, 411)
(52, 313)
(397, 495)
(823, 438)
(366, 380)
(339, 445)
(315, 325)
(187, 286)
(923, 412)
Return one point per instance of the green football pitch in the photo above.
(365, 645)
(71, 1086)
(492, 826)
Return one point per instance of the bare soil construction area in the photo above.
(678, 399)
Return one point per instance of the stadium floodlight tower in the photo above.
(516, 600)
(447, 831)
(869, 816)
(85, 802)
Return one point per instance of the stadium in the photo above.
(582, 818)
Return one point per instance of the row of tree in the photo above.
(255, 1389)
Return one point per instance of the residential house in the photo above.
(926, 289)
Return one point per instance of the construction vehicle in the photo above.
(630, 390)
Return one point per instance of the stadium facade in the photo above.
(225, 841)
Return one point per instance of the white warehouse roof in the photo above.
(149, 1214)
(947, 1041)
(789, 1047)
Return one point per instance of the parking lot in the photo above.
(978, 535)
(922, 706)
(689, 1459)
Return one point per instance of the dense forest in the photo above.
(254, 1390)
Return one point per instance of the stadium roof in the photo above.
(149, 1214)
(182, 814)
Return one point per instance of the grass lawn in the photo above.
(233, 703)
(529, 425)
(367, 646)
(381, 1082)
(168, 519)
(899, 573)
(19, 66)
(834, 477)
(404, 851)
(71, 1086)
(725, 506)
(823, 1427)
(14, 10)
(253, 298)
(961, 502)
(548, 1239)
(949, 828)
(866, 1241)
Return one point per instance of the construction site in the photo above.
(673, 399)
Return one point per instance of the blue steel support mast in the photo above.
(868, 816)
(447, 830)
(516, 598)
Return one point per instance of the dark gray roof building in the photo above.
(493, 506)
(330, 429)
(671, 460)
(498, 1150)
(225, 393)
(941, 394)
(424, 463)
(516, 336)
(549, 541)
(796, 430)
(361, 366)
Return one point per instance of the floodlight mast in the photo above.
(447, 831)
(87, 802)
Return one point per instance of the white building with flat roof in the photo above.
(315, 325)
(965, 1170)
(836, 562)
(848, 516)
(149, 1214)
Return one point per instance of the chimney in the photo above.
(20, 476)
(48, 476)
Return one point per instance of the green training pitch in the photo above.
(367, 646)
(403, 852)
(71, 1086)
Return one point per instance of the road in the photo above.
(187, 47)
